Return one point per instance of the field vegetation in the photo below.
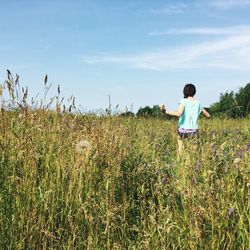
(74, 181)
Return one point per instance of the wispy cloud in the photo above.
(132, 4)
(227, 54)
(23, 66)
(234, 30)
(169, 9)
(47, 47)
(20, 66)
(226, 4)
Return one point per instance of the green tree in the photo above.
(127, 114)
(145, 112)
(234, 105)
(151, 112)
(243, 100)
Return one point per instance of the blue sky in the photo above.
(139, 52)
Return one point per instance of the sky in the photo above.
(138, 52)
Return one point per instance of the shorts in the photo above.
(187, 133)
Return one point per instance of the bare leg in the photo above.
(180, 147)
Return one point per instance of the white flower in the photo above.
(237, 160)
(82, 145)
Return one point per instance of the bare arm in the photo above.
(177, 113)
(205, 113)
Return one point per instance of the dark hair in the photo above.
(189, 90)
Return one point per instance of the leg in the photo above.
(180, 147)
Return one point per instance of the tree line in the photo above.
(231, 104)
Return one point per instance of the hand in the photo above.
(162, 108)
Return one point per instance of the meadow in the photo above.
(75, 181)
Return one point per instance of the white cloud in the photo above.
(226, 4)
(170, 9)
(234, 30)
(227, 54)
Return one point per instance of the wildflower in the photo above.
(82, 145)
(248, 146)
(240, 154)
(164, 180)
(237, 160)
(230, 211)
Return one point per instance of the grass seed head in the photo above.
(82, 145)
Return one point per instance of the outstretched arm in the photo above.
(205, 113)
(177, 113)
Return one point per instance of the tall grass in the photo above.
(71, 181)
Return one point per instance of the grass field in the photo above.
(73, 181)
(87, 182)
